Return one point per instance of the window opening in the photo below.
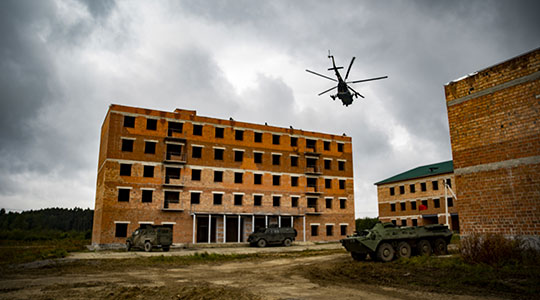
(276, 180)
(218, 154)
(220, 132)
(258, 137)
(127, 145)
(196, 152)
(195, 175)
(123, 195)
(238, 177)
(129, 121)
(218, 176)
(147, 196)
(125, 169)
(149, 147)
(218, 199)
(151, 124)
(148, 171)
(276, 201)
(257, 178)
(197, 129)
(120, 230)
(257, 200)
(238, 199)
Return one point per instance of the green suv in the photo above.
(149, 237)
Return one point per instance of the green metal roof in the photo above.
(423, 171)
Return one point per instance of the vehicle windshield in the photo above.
(260, 229)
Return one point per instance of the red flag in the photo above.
(422, 207)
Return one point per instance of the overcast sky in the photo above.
(62, 63)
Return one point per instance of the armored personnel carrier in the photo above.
(386, 241)
(149, 237)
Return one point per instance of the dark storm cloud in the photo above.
(99, 9)
(63, 63)
(27, 78)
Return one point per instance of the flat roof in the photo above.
(423, 171)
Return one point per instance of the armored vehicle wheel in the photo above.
(261, 243)
(424, 247)
(166, 248)
(385, 252)
(287, 242)
(404, 250)
(128, 245)
(358, 256)
(440, 247)
(147, 246)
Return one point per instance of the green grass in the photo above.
(17, 252)
(451, 275)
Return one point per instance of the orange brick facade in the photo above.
(400, 202)
(215, 180)
(494, 125)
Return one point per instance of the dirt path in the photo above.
(271, 278)
(200, 250)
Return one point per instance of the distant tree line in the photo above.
(49, 223)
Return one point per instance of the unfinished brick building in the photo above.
(495, 134)
(215, 180)
(417, 197)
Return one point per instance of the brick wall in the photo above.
(109, 210)
(495, 136)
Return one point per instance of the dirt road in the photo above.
(269, 277)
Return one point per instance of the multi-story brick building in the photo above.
(417, 197)
(495, 134)
(215, 180)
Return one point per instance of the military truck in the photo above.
(386, 241)
(272, 236)
(150, 237)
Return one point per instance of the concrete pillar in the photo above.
(252, 223)
(279, 221)
(266, 221)
(292, 222)
(224, 228)
(239, 228)
(209, 228)
(194, 222)
(304, 228)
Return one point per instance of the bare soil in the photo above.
(273, 275)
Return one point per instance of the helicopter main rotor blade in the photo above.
(357, 93)
(370, 79)
(328, 90)
(349, 69)
(320, 75)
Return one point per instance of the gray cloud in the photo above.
(62, 65)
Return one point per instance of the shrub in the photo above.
(496, 250)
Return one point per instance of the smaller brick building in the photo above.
(417, 197)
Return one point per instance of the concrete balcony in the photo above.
(313, 170)
(173, 206)
(313, 210)
(173, 183)
(313, 190)
(175, 158)
(175, 136)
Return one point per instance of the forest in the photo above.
(46, 224)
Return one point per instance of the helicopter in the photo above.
(344, 92)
